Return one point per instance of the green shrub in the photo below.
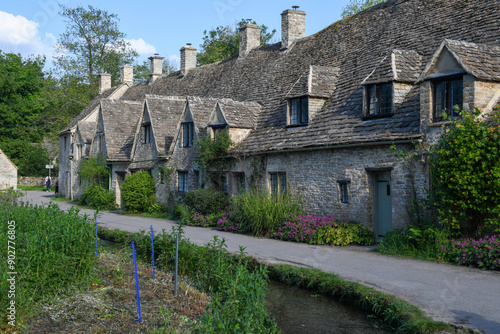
(483, 253)
(344, 234)
(465, 175)
(138, 192)
(206, 201)
(97, 197)
(261, 213)
(420, 242)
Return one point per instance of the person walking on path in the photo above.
(47, 182)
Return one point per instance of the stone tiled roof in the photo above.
(165, 113)
(480, 60)
(120, 119)
(400, 65)
(240, 114)
(92, 106)
(317, 81)
(86, 130)
(397, 36)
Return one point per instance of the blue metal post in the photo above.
(137, 284)
(96, 238)
(153, 250)
(176, 262)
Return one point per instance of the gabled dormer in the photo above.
(309, 94)
(238, 118)
(387, 86)
(459, 76)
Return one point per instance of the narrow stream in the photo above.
(298, 311)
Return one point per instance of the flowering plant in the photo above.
(483, 253)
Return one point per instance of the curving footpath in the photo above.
(448, 293)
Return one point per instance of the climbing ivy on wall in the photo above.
(212, 156)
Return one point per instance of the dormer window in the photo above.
(147, 133)
(448, 94)
(218, 128)
(298, 110)
(187, 134)
(378, 100)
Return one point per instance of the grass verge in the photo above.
(391, 311)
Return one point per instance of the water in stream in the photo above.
(298, 311)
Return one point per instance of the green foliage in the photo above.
(356, 6)
(96, 197)
(261, 213)
(213, 154)
(9, 197)
(92, 44)
(30, 158)
(206, 201)
(465, 175)
(223, 42)
(138, 192)
(419, 242)
(54, 253)
(184, 213)
(344, 234)
(94, 171)
(21, 102)
(393, 312)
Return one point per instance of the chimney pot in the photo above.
(188, 58)
(156, 67)
(104, 82)
(293, 26)
(249, 38)
(127, 74)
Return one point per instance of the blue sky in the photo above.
(33, 26)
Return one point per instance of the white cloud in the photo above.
(141, 46)
(20, 35)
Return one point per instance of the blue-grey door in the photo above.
(383, 206)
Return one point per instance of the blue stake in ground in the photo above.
(96, 237)
(153, 250)
(137, 284)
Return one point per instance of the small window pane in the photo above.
(304, 115)
(372, 100)
(344, 195)
(183, 181)
(457, 90)
(440, 97)
(385, 99)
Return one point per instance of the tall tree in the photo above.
(92, 44)
(356, 6)
(223, 42)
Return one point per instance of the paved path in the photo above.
(448, 293)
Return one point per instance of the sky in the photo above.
(32, 27)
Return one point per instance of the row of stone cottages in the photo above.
(317, 113)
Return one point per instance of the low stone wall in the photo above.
(26, 181)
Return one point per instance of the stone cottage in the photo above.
(8, 172)
(316, 114)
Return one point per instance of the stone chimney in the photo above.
(188, 58)
(156, 67)
(293, 26)
(104, 82)
(127, 74)
(249, 38)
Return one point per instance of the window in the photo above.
(147, 133)
(344, 190)
(240, 184)
(447, 95)
(218, 129)
(299, 111)
(378, 100)
(183, 181)
(187, 134)
(197, 179)
(278, 183)
(162, 176)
